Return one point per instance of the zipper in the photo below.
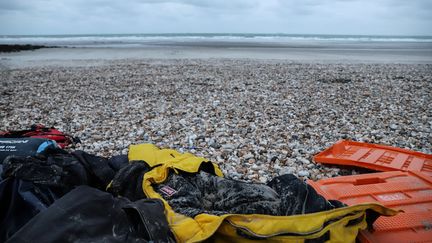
(275, 234)
(325, 224)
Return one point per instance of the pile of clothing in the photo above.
(48, 194)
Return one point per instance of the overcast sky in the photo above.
(381, 17)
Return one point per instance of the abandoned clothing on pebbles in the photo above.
(193, 194)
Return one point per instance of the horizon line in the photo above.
(219, 33)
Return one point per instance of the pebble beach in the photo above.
(255, 118)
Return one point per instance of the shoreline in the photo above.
(300, 52)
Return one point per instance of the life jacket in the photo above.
(337, 225)
(40, 131)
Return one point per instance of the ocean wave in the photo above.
(77, 40)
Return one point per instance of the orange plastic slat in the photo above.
(416, 164)
(359, 153)
(375, 157)
(399, 161)
(409, 191)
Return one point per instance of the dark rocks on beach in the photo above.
(17, 48)
(335, 80)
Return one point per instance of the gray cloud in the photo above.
(8, 5)
(286, 16)
(208, 3)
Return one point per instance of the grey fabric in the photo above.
(87, 214)
(298, 197)
(128, 181)
(193, 194)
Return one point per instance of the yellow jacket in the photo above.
(338, 225)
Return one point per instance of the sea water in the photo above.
(131, 40)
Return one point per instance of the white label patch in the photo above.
(14, 141)
(167, 191)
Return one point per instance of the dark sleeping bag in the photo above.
(89, 215)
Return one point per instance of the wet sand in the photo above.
(307, 52)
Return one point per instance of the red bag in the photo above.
(40, 131)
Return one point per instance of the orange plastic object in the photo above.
(409, 191)
(375, 157)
